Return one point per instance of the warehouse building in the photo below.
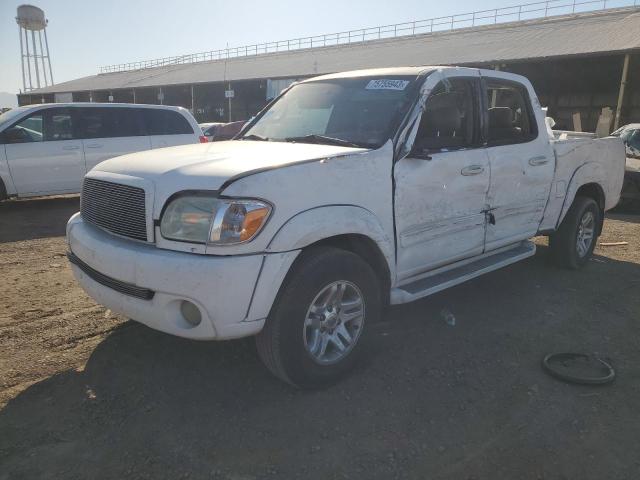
(579, 63)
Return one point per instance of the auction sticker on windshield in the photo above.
(387, 84)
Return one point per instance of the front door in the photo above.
(522, 163)
(43, 153)
(441, 186)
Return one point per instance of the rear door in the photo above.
(108, 132)
(44, 153)
(167, 128)
(522, 162)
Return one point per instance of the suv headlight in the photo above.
(213, 221)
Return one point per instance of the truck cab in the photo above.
(348, 192)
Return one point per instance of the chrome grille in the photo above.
(117, 208)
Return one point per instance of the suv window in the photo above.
(165, 122)
(109, 122)
(450, 117)
(26, 130)
(58, 125)
(509, 117)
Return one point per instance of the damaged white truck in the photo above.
(348, 192)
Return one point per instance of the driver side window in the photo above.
(449, 120)
(26, 131)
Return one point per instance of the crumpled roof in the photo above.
(601, 32)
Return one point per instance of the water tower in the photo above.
(32, 19)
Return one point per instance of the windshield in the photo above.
(359, 112)
(8, 117)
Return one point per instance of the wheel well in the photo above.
(593, 190)
(368, 250)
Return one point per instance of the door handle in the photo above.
(71, 147)
(94, 145)
(536, 161)
(472, 170)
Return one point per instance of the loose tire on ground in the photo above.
(295, 324)
(564, 243)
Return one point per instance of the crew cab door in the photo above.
(441, 185)
(44, 154)
(522, 162)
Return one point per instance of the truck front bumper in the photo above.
(150, 285)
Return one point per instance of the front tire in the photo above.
(573, 244)
(317, 326)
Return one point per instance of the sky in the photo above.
(86, 34)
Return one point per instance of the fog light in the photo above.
(191, 313)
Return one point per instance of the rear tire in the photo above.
(317, 326)
(573, 244)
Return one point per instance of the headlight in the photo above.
(214, 221)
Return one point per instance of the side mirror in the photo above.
(421, 155)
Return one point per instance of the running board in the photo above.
(456, 275)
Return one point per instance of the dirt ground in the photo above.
(86, 394)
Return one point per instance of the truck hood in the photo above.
(209, 165)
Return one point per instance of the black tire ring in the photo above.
(611, 375)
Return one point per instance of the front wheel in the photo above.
(573, 244)
(317, 326)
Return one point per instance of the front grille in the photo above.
(117, 285)
(117, 208)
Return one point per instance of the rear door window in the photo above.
(165, 122)
(127, 122)
(93, 123)
(59, 125)
(510, 118)
(109, 122)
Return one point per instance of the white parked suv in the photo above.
(349, 192)
(47, 149)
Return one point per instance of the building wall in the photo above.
(566, 86)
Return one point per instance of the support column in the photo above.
(35, 57)
(46, 42)
(26, 42)
(623, 83)
(229, 102)
(24, 81)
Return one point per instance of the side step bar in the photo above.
(456, 275)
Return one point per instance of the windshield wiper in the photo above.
(323, 139)
(253, 136)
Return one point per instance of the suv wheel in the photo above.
(317, 326)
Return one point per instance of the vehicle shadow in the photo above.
(36, 218)
(625, 216)
(435, 399)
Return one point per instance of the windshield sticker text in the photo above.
(387, 85)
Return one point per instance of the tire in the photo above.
(290, 344)
(564, 243)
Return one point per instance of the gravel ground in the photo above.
(87, 394)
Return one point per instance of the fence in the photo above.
(407, 29)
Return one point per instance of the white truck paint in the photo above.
(422, 218)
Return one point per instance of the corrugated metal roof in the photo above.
(579, 34)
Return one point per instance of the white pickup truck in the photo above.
(348, 192)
